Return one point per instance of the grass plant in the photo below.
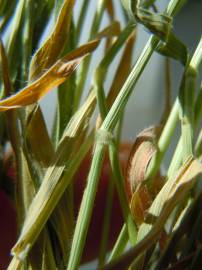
(45, 164)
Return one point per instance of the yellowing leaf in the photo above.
(56, 75)
(53, 46)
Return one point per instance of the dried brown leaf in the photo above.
(56, 75)
(140, 202)
(172, 192)
(141, 154)
(46, 56)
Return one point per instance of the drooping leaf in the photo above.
(173, 48)
(159, 24)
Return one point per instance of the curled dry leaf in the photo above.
(57, 73)
(140, 195)
(142, 152)
(140, 202)
(55, 76)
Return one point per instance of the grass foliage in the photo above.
(165, 235)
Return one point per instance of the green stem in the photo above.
(120, 244)
(15, 29)
(128, 87)
(106, 128)
(113, 153)
(186, 98)
(164, 141)
(83, 73)
(81, 19)
(176, 160)
(27, 38)
(106, 223)
(86, 208)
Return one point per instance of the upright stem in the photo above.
(86, 63)
(81, 19)
(106, 128)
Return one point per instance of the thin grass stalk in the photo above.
(167, 102)
(198, 106)
(83, 72)
(120, 244)
(66, 94)
(170, 181)
(81, 19)
(176, 160)
(106, 224)
(15, 28)
(58, 4)
(106, 129)
(144, 232)
(178, 156)
(99, 78)
(27, 39)
(113, 153)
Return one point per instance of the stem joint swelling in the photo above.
(103, 136)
